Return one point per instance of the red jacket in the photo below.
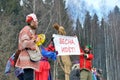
(86, 63)
(50, 47)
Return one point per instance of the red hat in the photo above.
(31, 17)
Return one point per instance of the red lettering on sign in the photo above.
(61, 40)
(67, 49)
(66, 41)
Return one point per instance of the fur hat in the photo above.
(60, 29)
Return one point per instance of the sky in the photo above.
(77, 8)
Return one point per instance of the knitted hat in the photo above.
(31, 17)
(88, 46)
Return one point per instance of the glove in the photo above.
(85, 55)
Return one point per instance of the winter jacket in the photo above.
(86, 62)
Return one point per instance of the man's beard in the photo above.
(86, 51)
(33, 27)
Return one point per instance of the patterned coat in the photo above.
(26, 41)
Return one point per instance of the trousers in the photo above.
(28, 74)
(85, 75)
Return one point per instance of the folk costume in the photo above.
(27, 37)
(44, 66)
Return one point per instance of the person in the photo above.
(44, 69)
(27, 39)
(86, 63)
(75, 72)
(99, 74)
(18, 71)
(94, 73)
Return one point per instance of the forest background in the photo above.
(102, 34)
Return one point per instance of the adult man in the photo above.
(27, 39)
(86, 63)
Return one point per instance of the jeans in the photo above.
(28, 74)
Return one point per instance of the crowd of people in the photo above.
(26, 69)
